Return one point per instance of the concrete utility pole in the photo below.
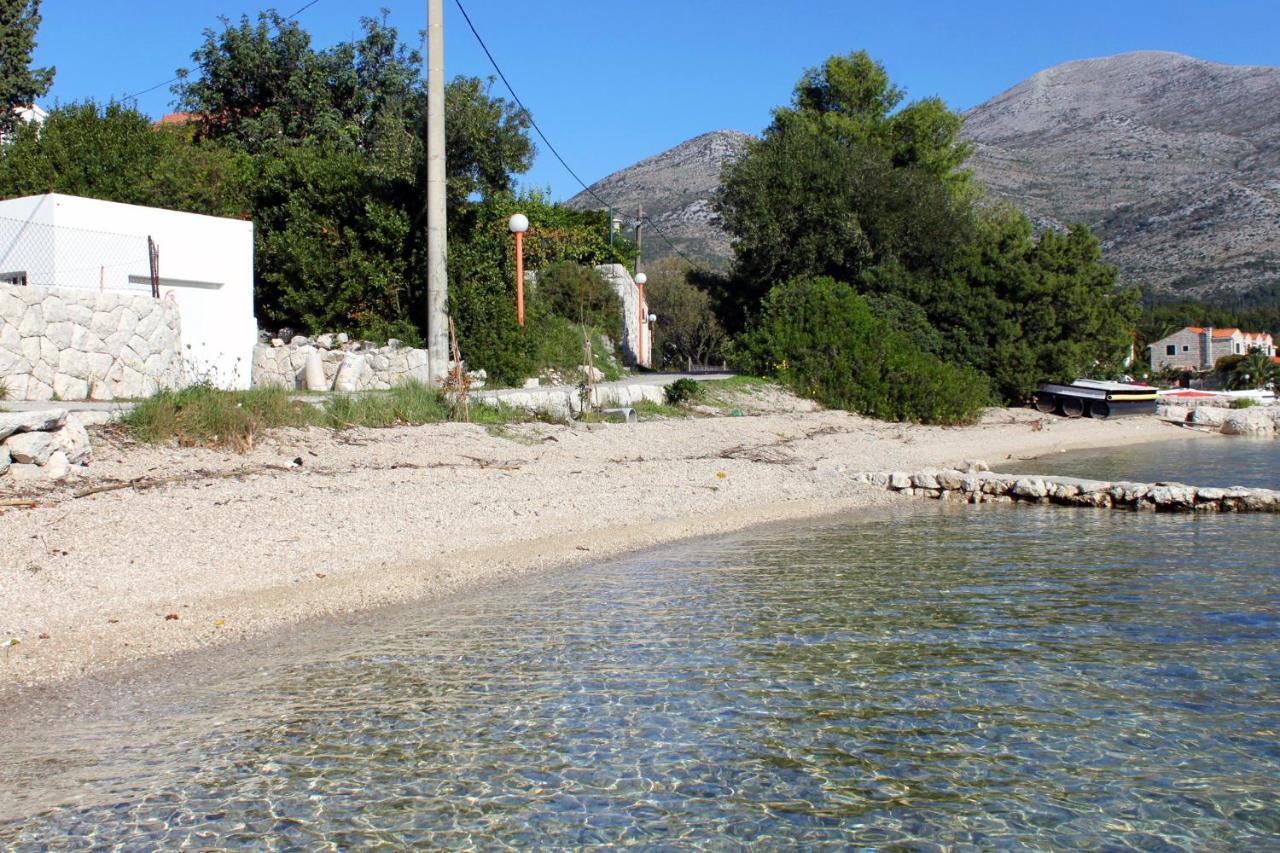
(437, 226)
(639, 237)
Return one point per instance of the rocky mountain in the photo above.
(1174, 161)
(675, 188)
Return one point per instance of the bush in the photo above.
(820, 338)
(1244, 403)
(682, 391)
(581, 295)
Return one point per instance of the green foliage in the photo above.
(203, 416)
(410, 403)
(841, 183)
(1244, 403)
(649, 410)
(683, 390)
(1020, 310)
(688, 331)
(580, 294)
(819, 338)
(20, 84)
(1246, 372)
(4, 389)
(113, 153)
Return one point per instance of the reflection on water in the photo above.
(988, 676)
(1211, 461)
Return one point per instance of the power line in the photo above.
(552, 148)
(179, 77)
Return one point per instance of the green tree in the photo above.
(114, 153)
(20, 84)
(687, 331)
(841, 183)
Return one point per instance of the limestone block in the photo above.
(102, 324)
(343, 338)
(128, 319)
(73, 440)
(98, 365)
(298, 357)
(31, 448)
(11, 307)
(1249, 422)
(80, 314)
(30, 350)
(899, 480)
(1209, 416)
(70, 387)
(350, 373)
(313, 373)
(57, 466)
(55, 310)
(1030, 487)
(324, 341)
(33, 323)
(59, 334)
(31, 296)
(23, 472)
(148, 324)
(12, 362)
(40, 421)
(378, 361)
(924, 480)
(10, 338)
(38, 389)
(141, 346)
(5, 459)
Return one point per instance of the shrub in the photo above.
(820, 338)
(682, 391)
(1244, 403)
(581, 295)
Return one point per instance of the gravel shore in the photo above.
(314, 523)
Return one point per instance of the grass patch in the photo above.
(648, 410)
(1244, 403)
(203, 416)
(411, 403)
(4, 390)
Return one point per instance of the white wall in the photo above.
(206, 267)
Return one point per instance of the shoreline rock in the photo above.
(976, 486)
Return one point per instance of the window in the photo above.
(1186, 348)
(1171, 349)
(1238, 349)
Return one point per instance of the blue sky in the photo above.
(612, 83)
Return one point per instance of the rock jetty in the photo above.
(977, 485)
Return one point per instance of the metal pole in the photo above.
(437, 226)
(520, 278)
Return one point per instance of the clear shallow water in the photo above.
(1226, 461)
(951, 675)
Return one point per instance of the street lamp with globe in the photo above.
(519, 223)
(642, 311)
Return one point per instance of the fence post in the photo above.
(153, 251)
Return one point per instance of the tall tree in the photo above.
(20, 84)
(843, 180)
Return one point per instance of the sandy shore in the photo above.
(235, 545)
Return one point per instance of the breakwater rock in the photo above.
(46, 445)
(980, 486)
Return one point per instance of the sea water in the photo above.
(989, 676)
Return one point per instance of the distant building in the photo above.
(29, 114)
(1197, 348)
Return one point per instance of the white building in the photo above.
(205, 266)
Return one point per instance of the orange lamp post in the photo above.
(518, 225)
(642, 312)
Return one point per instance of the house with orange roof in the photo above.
(1197, 348)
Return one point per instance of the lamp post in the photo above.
(518, 225)
(641, 312)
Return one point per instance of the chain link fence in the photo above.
(35, 254)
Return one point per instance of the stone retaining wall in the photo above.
(979, 486)
(563, 403)
(333, 363)
(78, 344)
(45, 445)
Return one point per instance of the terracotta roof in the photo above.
(174, 118)
(1226, 333)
